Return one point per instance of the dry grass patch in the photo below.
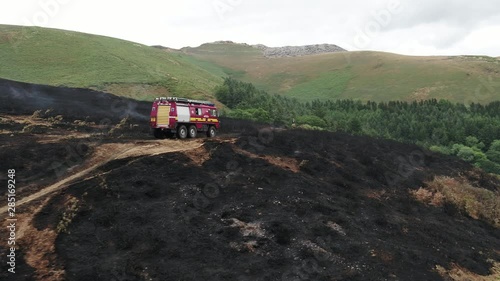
(457, 273)
(286, 163)
(253, 229)
(68, 215)
(478, 203)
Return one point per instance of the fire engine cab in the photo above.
(183, 117)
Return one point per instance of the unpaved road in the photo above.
(109, 152)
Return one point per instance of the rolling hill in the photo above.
(72, 59)
(124, 68)
(362, 75)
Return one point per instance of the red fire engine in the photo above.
(183, 117)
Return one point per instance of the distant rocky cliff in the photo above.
(297, 51)
(278, 52)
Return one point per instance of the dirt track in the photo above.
(106, 153)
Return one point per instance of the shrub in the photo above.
(37, 114)
(35, 129)
(441, 149)
(494, 151)
(311, 120)
(121, 127)
(309, 127)
(68, 216)
(478, 203)
(466, 153)
(469, 154)
(489, 166)
(429, 197)
(255, 114)
(472, 141)
(56, 119)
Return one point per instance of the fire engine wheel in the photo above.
(211, 132)
(182, 132)
(192, 131)
(159, 134)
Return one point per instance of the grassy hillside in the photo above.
(65, 58)
(358, 75)
(57, 57)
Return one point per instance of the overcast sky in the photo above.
(424, 27)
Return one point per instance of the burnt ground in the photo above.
(73, 103)
(255, 203)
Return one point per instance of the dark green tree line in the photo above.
(471, 132)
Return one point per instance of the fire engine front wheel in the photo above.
(211, 132)
(192, 131)
(182, 132)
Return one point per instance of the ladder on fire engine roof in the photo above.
(176, 99)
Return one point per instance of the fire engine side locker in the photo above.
(163, 115)
(183, 115)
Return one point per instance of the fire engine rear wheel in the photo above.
(211, 132)
(192, 131)
(159, 134)
(182, 132)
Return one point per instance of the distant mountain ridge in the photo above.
(279, 52)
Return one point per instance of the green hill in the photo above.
(365, 76)
(65, 58)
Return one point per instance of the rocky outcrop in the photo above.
(297, 51)
(287, 51)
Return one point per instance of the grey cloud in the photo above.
(440, 24)
(435, 25)
(466, 14)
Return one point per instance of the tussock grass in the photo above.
(458, 273)
(478, 203)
